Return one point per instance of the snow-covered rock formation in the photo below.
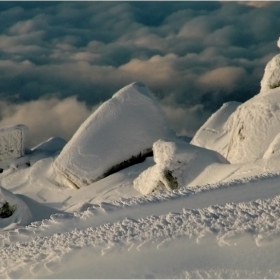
(120, 132)
(12, 143)
(271, 77)
(247, 132)
(177, 165)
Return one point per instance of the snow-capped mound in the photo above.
(122, 130)
(216, 131)
(13, 211)
(177, 165)
(12, 143)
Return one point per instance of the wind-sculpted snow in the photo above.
(177, 165)
(271, 77)
(123, 129)
(260, 219)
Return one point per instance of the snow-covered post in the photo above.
(12, 143)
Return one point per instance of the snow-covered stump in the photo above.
(119, 133)
(12, 143)
(177, 165)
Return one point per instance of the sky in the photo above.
(60, 60)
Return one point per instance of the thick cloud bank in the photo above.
(193, 56)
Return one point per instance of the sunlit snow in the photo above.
(208, 209)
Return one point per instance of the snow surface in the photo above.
(215, 133)
(223, 221)
(126, 125)
(12, 143)
(177, 165)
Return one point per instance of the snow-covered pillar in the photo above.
(12, 143)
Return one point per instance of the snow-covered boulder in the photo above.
(216, 131)
(120, 132)
(177, 165)
(13, 210)
(12, 143)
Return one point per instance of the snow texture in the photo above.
(124, 126)
(177, 165)
(271, 77)
(12, 143)
(216, 131)
(255, 125)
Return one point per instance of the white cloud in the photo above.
(46, 118)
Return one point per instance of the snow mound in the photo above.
(216, 131)
(122, 130)
(12, 143)
(177, 165)
(21, 214)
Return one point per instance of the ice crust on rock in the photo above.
(216, 131)
(12, 143)
(177, 165)
(123, 127)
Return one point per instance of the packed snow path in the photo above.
(141, 223)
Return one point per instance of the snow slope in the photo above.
(123, 127)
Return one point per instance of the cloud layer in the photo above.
(193, 55)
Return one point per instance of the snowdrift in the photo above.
(177, 165)
(12, 143)
(120, 132)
